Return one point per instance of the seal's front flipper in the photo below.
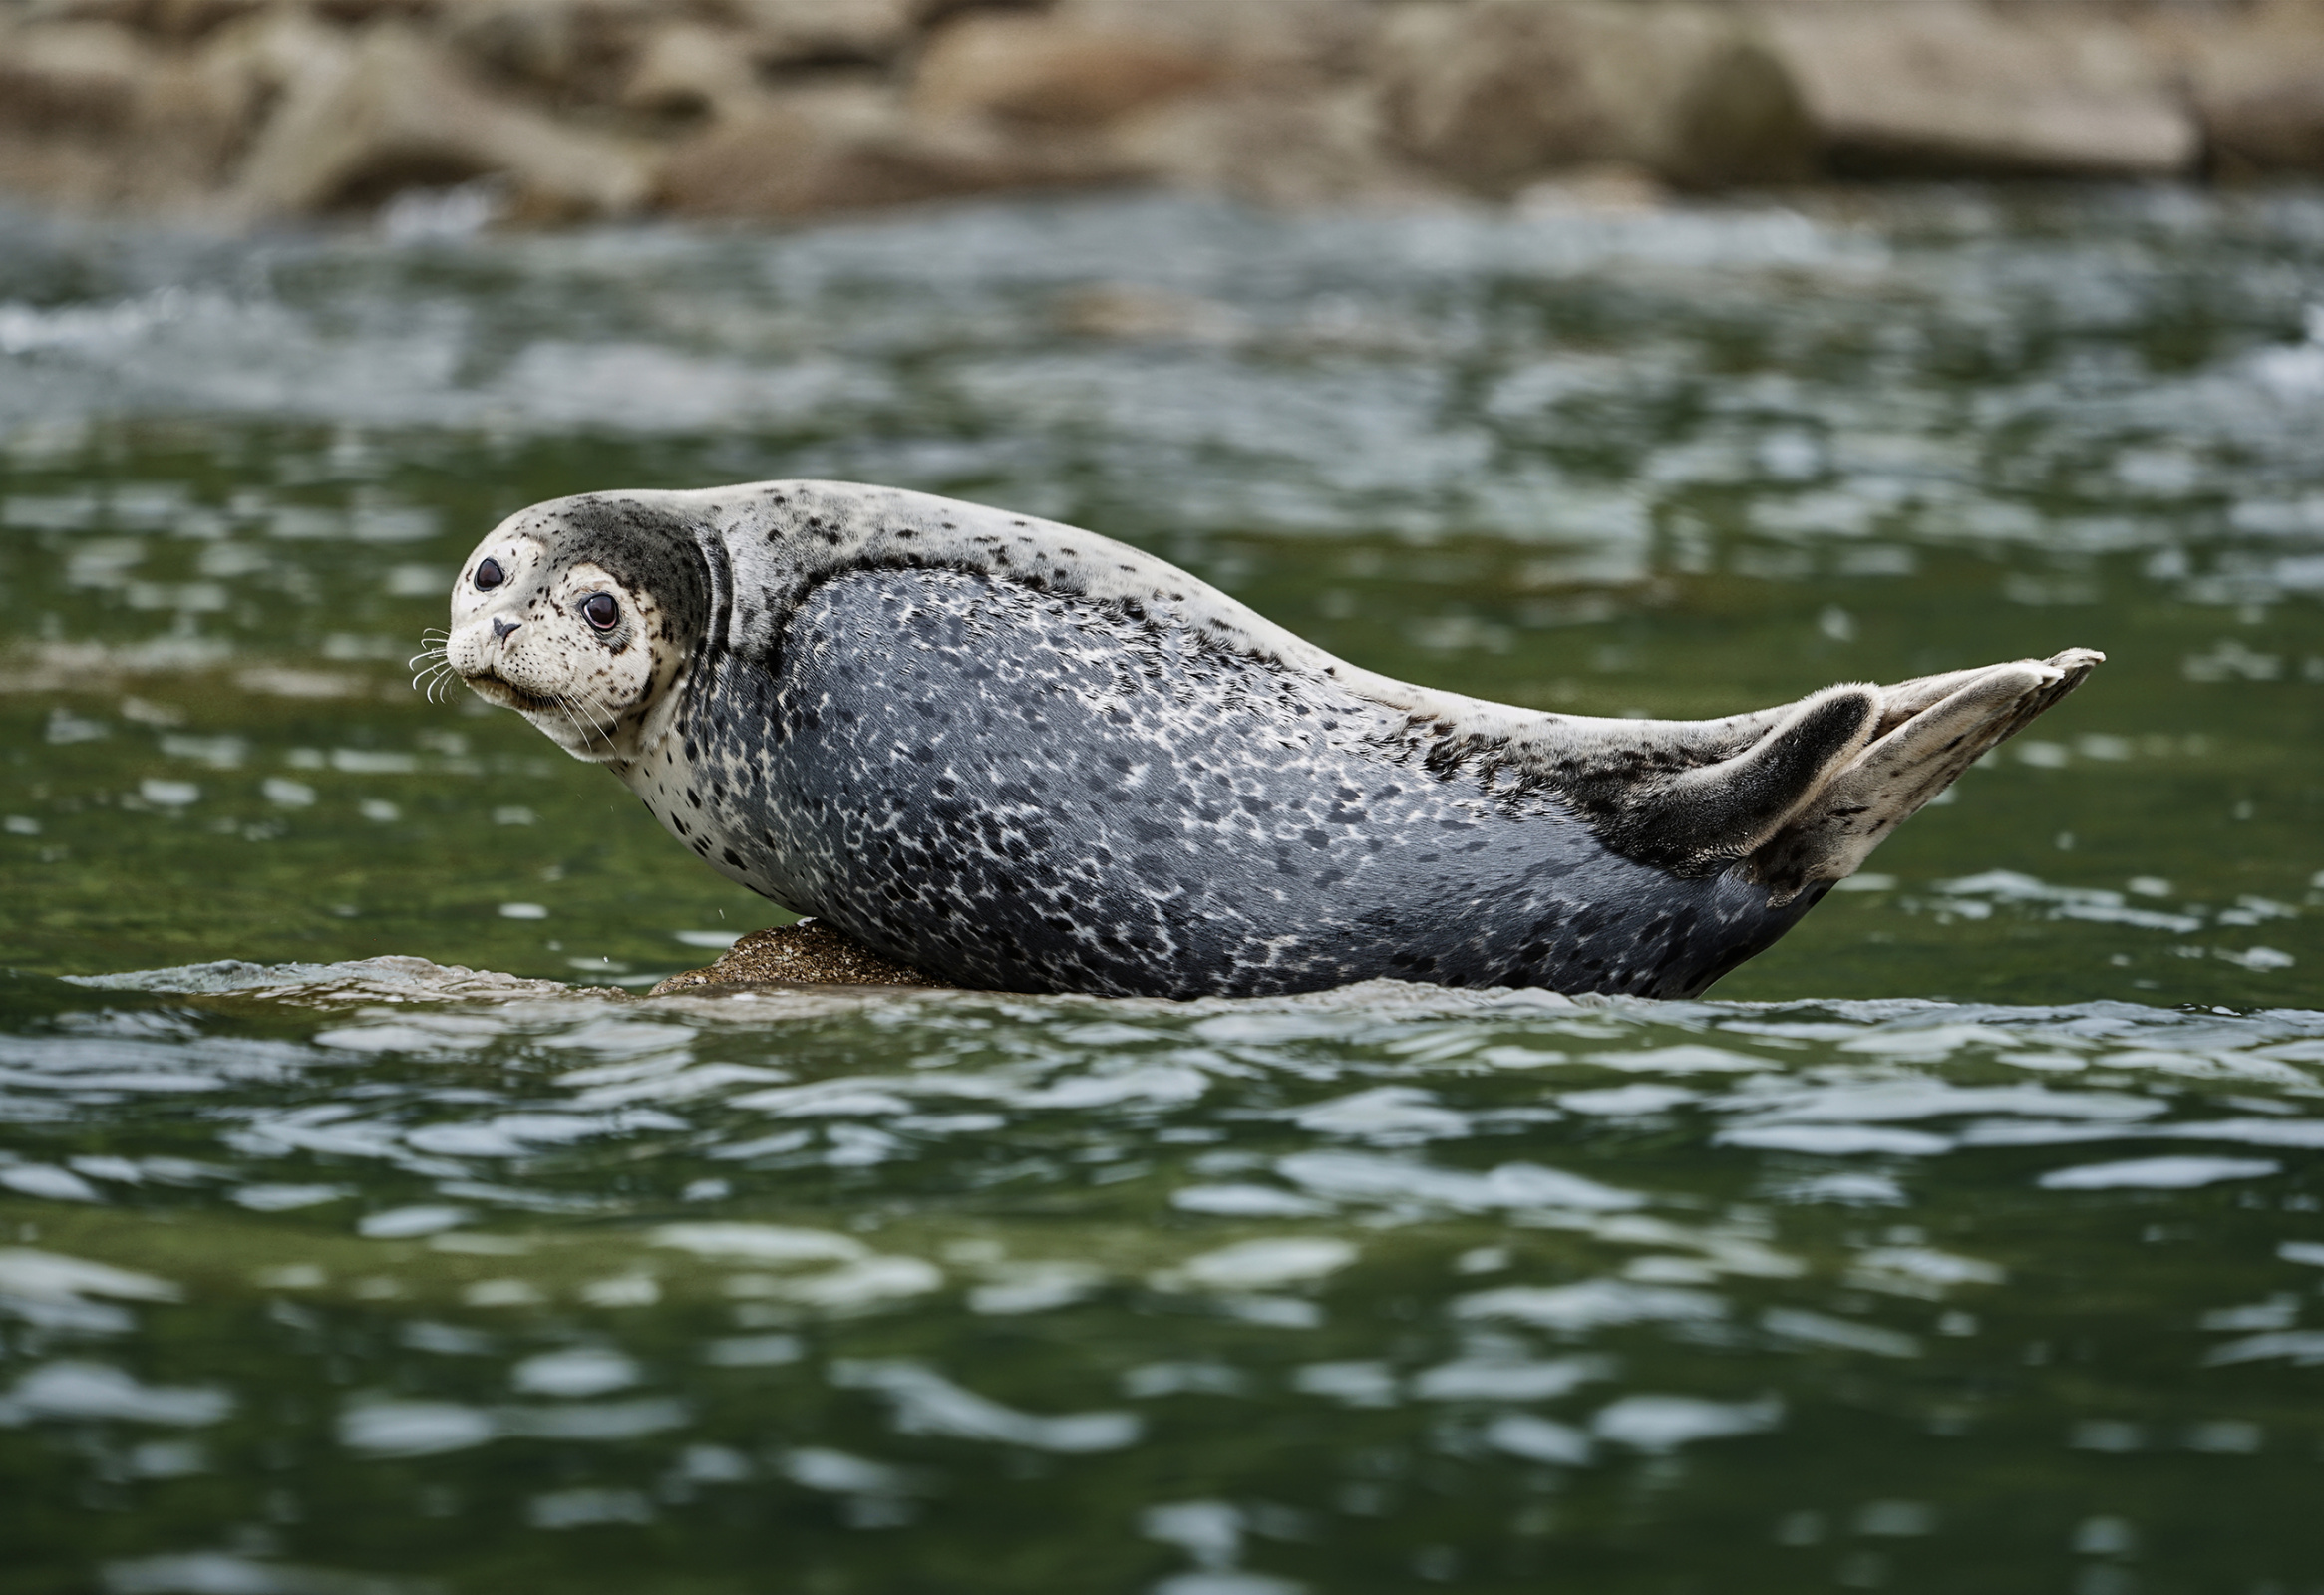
(1934, 730)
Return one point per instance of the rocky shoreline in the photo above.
(537, 112)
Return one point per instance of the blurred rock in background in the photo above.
(245, 111)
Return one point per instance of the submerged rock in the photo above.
(803, 954)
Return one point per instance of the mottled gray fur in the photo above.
(1024, 757)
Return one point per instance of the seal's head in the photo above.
(582, 615)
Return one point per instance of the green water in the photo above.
(1769, 1291)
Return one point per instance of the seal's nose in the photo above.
(501, 628)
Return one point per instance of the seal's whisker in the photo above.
(602, 730)
(573, 708)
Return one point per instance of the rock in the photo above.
(689, 70)
(812, 33)
(1944, 87)
(1285, 146)
(363, 13)
(173, 21)
(395, 113)
(851, 147)
(73, 78)
(91, 116)
(279, 49)
(572, 53)
(1499, 93)
(806, 953)
(1310, 38)
(2258, 88)
(2268, 121)
(1053, 71)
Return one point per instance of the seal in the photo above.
(1022, 757)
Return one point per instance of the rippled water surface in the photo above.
(1969, 1241)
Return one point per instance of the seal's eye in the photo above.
(489, 576)
(599, 610)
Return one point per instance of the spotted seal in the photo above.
(1024, 757)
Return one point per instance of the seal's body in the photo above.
(1022, 757)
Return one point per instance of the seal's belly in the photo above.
(1028, 793)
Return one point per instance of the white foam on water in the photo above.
(414, 1428)
(1888, 1100)
(1911, 1270)
(1034, 1286)
(1926, 1042)
(1370, 1177)
(760, 1244)
(1507, 1379)
(2157, 1173)
(1245, 1201)
(1539, 1440)
(81, 1391)
(844, 1473)
(2303, 1348)
(223, 1573)
(586, 1507)
(926, 1402)
(410, 1224)
(2306, 1133)
(1386, 1115)
(1227, 1583)
(575, 1371)
(1260, 1264)
(48, 1180)
(1834, 1140)
(1352, 1384)
(1659, 1423)
(1692, 1058)
(1844, 1333)
(864, 1283)
(1622, 1101)
(54, 1277)
(594, 1420)
(1591, 1304)
(521, 1135)
(1857, 1189)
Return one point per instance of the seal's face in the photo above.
(557, 636)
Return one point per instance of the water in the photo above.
(1968, 1239)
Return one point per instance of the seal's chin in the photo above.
(564, 722)
(493, 688)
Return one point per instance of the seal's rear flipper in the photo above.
(1931, 730)
(1701, 821)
